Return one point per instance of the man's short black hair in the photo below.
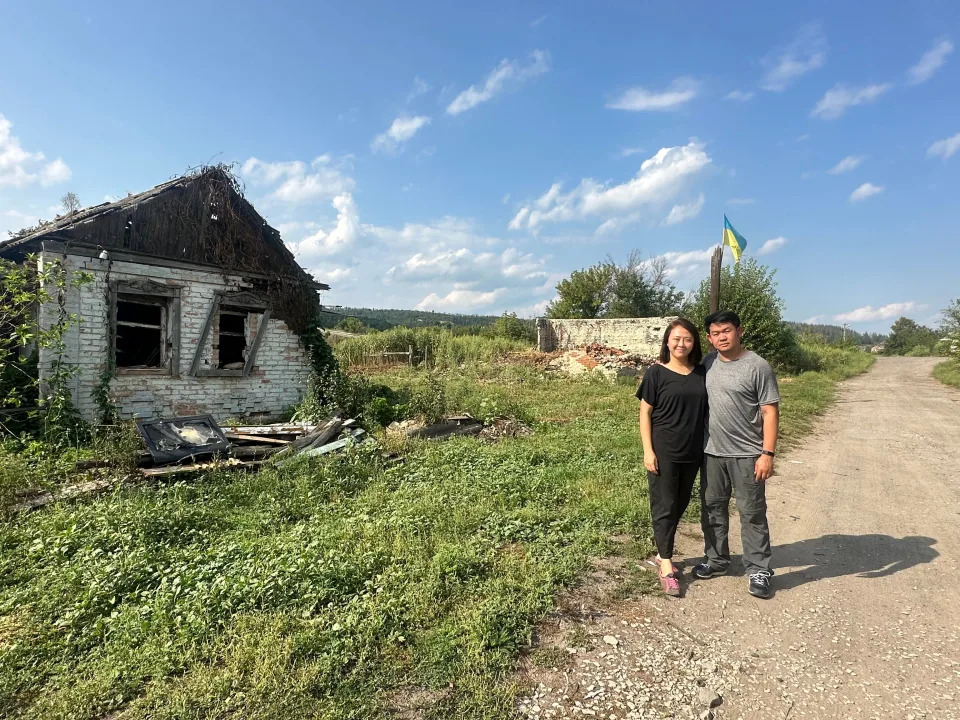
(720, 317)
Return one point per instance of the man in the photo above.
(741, 444)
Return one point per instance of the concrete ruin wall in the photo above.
(637, 335)
(276, 381)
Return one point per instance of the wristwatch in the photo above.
(771, 453)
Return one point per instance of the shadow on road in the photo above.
(866, 556)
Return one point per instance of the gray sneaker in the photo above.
(760, 584)
(704, 571)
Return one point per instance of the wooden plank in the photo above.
(69, 492)
(201, 343)
(261, 331)
(355, 437)
(197, 467)
(318, 437)
(280, 429)
(254, 452)
(256, 438)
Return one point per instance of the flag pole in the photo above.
(715, 262)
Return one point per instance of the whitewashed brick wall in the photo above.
(277, 380)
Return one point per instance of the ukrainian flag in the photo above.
(734, 239)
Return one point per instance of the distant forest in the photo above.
(386, 319)
(834, 333)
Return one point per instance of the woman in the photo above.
(673, 408)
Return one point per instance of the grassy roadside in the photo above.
(948, 372)
(807, 395)
(334, 589)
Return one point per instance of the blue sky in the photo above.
(465, 159)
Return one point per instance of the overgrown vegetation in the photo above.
(637, 288)
(948, 371)
(909, 338)
(749, 289)
(434, 347)
(26, 405)
(330, 588)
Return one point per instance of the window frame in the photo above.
(148, 292)
(240, 300)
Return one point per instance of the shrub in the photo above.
(750, 291)
(920, 351)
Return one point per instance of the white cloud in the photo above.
(326, 243)
(814, 320)
(807, 52)
(19, 168)
(681, 91)
(932, 61)
(840, 98)
(741, 201)
(332, 274)
(683, 266)
(660, 179)
(946, 147)
(298, 184)
(772, 245)
(461, 300)
(680, 213)
(55, 173)
(885, 312)
(627, 152)
(420, 87)
(401, 129)
(13, 221)
(864, 191)
(467, 268)
(508, 73)
(850, 162)
(738, 95)
(445, 232)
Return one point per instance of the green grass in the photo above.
(327, 588)
(439, 347)
(948, 372)
(805, 396)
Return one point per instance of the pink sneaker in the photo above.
(671, 588)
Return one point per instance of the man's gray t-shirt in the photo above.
(735, 390)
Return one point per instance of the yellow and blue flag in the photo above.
(735, 240)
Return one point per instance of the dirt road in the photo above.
(865, 623)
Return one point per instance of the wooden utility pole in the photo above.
(715, 263)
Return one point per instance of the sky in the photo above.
(438, 156)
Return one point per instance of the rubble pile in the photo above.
(609, 361)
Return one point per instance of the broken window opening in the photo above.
(232, 339)
(141, 339)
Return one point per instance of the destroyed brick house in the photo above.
(196, 305)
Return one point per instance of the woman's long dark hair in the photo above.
(696, 355)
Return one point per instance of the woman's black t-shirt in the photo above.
(679, 411)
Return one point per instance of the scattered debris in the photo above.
(449, 426)
(505, 427)
(609, 361)
(93, 487)
(172, 440)
(247, 446)
(197, 467)
(404, 427)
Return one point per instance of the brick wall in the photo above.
(276, 382)
(639, 335)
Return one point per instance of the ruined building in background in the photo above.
(196, 305)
